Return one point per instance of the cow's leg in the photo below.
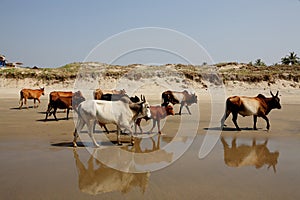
(131, 137)
(139, 125)
(225, 116)
(158, 126)
(118, 135)
(20, 103)
(188, 110)
(267, 120)
(79, 125)
(34, 103)
(48, 111)
(68, 111)
(180, 109)
(90, 125)
(106, 130)
(25, 102)
(54, 114)
(234, 119)
(254, 122)
(135, 127)
(39, 102)
(153, 125)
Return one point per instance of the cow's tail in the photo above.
(21, 99)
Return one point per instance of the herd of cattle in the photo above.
(116, 107)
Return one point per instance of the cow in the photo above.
(68, 100)
(183, 98)
(115, 97)
(98, 93)
(157, 113)
(122, 113)
(244, 155)
(258, 106)
(34, 94)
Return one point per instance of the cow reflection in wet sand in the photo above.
(102, 179)
(256, 155)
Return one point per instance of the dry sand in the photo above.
(38, 162)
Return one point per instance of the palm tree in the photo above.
(293, 58)
(290, 59)
(285, 61)
(259, 62)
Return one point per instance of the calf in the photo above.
(258, 106)
(157, 113)
(30, 94)
(183, 98)
(63, 102)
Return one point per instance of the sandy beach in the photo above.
(39, 162)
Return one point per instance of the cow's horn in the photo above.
(271, 93)
(277, 93)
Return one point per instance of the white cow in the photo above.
(123, 113)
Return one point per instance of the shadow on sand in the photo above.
(89, 144)
(23, 108)
(228, 129)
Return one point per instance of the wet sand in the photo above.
(38, 162)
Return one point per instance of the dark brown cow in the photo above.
(63, 102)
(157, 113)
(244, 155)
(184, 98)
(258, 106)
(30, 94)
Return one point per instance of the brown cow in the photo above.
(30, 94)
(184, 98)
(245, 155)
(157, 113)
(258, 106)
(63, 102)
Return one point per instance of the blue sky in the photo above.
(54, 33)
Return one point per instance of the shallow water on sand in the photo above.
(38, 162)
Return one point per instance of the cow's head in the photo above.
(122, 91)
(275, 101)
(77, 98)
(135, 99)
(170, 110)
(42, 89)
(194, 98)
(145, 108)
